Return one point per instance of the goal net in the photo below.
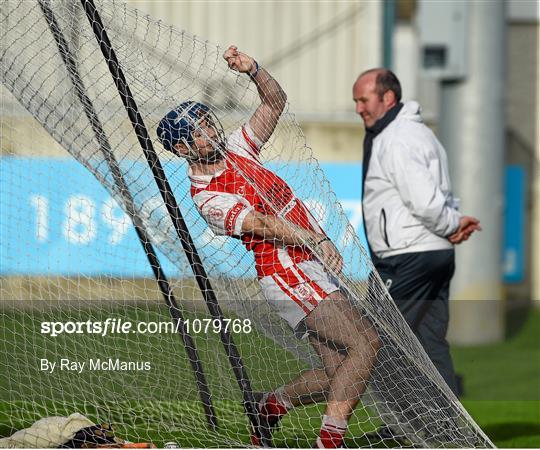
(80, 229)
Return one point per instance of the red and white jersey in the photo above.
(226, 197)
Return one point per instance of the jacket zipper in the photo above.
(385, 234)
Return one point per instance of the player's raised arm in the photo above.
(273, 98)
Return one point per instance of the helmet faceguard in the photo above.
(179, 125)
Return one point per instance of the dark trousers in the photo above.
(419, 283)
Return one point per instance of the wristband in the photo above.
(321, 241)
(254, 74)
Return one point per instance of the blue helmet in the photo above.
(180, 123)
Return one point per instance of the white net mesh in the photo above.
(160, 402)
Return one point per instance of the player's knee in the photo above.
(366, 347)
(373, 339)
(370, 335)
(330, 371)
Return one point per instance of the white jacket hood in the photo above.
(411, 111)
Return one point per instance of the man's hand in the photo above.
(239, 61)
(467, 226)
(329, 255)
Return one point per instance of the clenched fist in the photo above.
(239, 61)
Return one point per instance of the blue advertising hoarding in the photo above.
(514, 225)
(51, 227)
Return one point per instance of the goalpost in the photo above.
(161, 66)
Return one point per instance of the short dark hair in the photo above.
(388, 81)
(385, 81)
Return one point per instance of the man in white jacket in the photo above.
(411, 217)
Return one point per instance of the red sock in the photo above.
(332, 433)
(273, 409)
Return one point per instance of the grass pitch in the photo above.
(502, 384)
(160, 405)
